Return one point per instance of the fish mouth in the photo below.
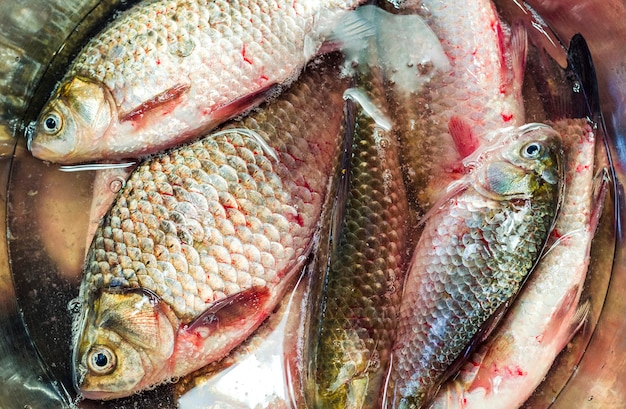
(41, 151)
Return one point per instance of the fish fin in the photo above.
(518, 49)
(538, 31)
(580, 316)
(242, 106)
(231, 310)
(343, 187)
(566, 93)
(409, 52)
(163, 100)
(350, 34)
(464, 138)
(560, 315)
(577, 313)
(582, 75)
(600, 190)
(485, 364)
(553, 88)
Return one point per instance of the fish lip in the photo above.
(37, 149)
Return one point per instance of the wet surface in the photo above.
(47, 216)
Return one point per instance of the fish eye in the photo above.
(101, 360)
(532, 150)
(52, 123)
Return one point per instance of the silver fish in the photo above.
(475, 251)
(167, 70)
(510, 366)
(202, 242)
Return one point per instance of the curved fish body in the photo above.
(202, 241)
(472, 257)
(514, 361)
(167, 70)
(477, 92)
(362, 280)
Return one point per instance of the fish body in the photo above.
(465, 101)
(510, 366)
(473, 255)
(202, 241)
(167, 70)
(362, 279)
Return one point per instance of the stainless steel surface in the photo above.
(39, 276)
(598, 380)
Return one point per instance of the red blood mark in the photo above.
(474, 363)
(243, 55)
(581, 167)
(297, 218)
(158, 62)
(514, 371)
(264, 77)
(506, 117)
(556, 234)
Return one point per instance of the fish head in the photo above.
(125, 342)
(75, 118)
(526, 162)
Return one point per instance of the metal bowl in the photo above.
(46, 220)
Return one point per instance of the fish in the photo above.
(354, 324)
(260, 356)
(550, 310)
(471, 94)
(477, 247)
(164, 71)
(505, 371)
(202, 241)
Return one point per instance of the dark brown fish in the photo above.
(360, 298)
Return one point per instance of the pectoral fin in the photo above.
(165, 101)
(231, 310)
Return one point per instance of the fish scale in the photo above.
(221, 224)
(360, 297)
(165, 71)
(472, 256)
(267, 232)
(480, 89)
(506, 370)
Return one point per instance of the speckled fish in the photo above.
(167, 70)
(474, 89)
(362, 281)
(512, 363)
(476, 249)
(202, 241)
(510, 366)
